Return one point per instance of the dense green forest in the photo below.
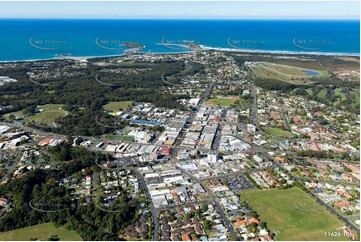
(84, 96)
(41, 187)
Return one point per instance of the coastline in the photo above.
(279, 52)
(203, 48)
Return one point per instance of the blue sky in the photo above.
(183, 10)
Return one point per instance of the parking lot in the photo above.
(238, 184)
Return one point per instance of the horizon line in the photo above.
(102, 18)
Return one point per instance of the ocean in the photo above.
(25, 39)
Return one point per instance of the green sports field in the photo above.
(115, 106)
(51, 107)
(40, 232)
(48, 117)
(293, 215)
(277, 132)
(222, 101)
(50, 113)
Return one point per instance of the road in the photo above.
(153, 210)
(11, 168)
(253, 97)
(328, 181)
(191, 119)
(215, 201)
(95, 186)
(187, 204)
(320, 201)
(218, 135)
(232, 174)
(285, 119)
(212, 199)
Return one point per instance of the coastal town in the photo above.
(236, 154)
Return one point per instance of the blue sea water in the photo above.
(24, 39)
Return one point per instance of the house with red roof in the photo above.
(45, 141)
(186, 237)
(342, 204)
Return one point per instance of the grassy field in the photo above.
(292, 74)
(17, 114)
(293, 215)
(357, 97)
(309, 64)
(277, 132)
(322, 93)
(287, 70)
(51, 107)
(309, 91)
(50, 113)
(40, 232)
(222, 101)
(48, 116)
(342, 64)
(340, 94)
(115, 106)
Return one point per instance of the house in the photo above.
(251, 128)
(3, 201)
(45, 141)
(342, 204)
(165, 150)
(241, 223)
(186, 237)
(257, 158)
(254, 220)
(349, 233)
(267, 237)
(275, 115)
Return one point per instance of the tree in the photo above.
(187, 216)
(53, 238)
(263, 224)
(252, 227)
(171, 217)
